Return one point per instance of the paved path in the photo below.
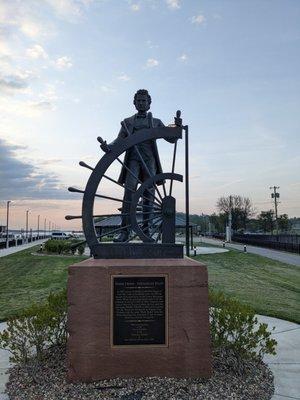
(15, 249)
(289, 258)
(285, 365)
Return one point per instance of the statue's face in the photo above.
(142, 103)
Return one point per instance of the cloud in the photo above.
(12, 84)
(173, 4)
(70, 10)
(107, 89)
(16, 82)
(183, 57)
(152, 62)
(36, 52)
(124, 78)
(151, 45)
(23, 180)
(135, 7)
(43, 105)
(63, 63)
(198, 19)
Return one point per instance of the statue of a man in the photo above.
(148, 151)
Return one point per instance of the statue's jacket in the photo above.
(127, 128)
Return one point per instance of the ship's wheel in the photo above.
(157, 189)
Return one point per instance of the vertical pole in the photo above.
(7, 221)
(230, 219)
(27, 211)
(275, 195)
(38, 228)
(45, 227)
(187, 206)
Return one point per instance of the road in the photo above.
(285, 257)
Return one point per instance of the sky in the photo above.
(69, 70)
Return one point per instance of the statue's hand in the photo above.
(103, 145)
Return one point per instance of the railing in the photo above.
(20, 241)
(289, 243)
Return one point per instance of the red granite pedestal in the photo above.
(91, 354)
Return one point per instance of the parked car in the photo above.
(60, 235)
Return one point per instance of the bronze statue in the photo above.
(148, 207)
(148, 151)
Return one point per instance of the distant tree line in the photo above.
(244, 218)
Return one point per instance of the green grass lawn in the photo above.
(270, 287)
(27, 278)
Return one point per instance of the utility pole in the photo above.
(7, 220)
(27, 212)
(275, 195)
(229, 226)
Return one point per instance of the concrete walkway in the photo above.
(15, 249)
(285, 365)
(285, 257)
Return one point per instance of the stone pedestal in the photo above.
(181, 350)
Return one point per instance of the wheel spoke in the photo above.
(148, 206)
(118, 183)
(113, 231)
(136, 234)
(85, 165)
(101, 196)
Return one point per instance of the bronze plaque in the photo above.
(139, 305)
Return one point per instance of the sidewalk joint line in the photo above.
(287, 397)
(288, 330)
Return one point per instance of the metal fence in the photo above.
(289, 243)
(20, 241)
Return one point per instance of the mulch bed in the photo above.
(232, 379)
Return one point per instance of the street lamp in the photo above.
(27, 212)
(38, 228)
(7, 220)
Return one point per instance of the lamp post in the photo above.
(27, 212)
(38, 228)
(45, 227)
(7, 220)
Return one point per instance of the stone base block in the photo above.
(92, 354)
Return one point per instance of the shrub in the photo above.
(235, 327)
(81, 249)
(64, 246)
(37, 328)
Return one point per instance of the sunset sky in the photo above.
(69, 70)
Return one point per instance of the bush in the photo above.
(81, 249)
(37, 328)
(235, 327)
(63, 246)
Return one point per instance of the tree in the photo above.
(241, 209)
(218, 222)
(266, 221)
(283, 222)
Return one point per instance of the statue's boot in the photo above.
(122, 237)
